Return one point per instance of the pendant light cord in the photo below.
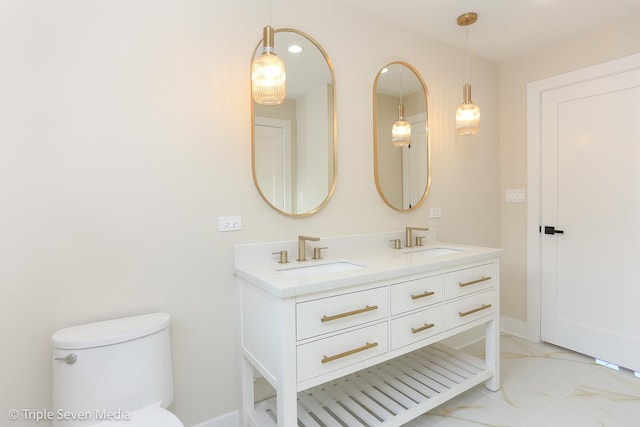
(466, 55)
(400, 68)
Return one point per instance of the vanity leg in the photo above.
(287, 388)
(247, 387)
(492, 351)
(287, 402)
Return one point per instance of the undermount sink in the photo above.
(319, 269)
(429, 252)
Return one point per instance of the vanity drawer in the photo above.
(416, 327)
(415, 294)
(467, 309)
(321, 316)
(469, 280)
(328, 354)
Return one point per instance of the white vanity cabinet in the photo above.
(367, 352)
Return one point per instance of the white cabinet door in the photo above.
(590, 191)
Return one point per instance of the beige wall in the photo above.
(125, 134)
(610, 43)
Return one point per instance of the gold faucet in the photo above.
(409, 243)
(302, 248)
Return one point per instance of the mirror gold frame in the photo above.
(301, 177)
(398, 170)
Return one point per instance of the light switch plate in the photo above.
(435, 213)
(515, 195)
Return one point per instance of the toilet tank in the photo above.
(116, 366)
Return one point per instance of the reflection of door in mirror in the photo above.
(273, 160)
(414, 170)
(309, 164)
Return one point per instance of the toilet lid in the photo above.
(148, 417)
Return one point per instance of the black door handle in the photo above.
(552, 230)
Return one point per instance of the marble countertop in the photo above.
(255, 264)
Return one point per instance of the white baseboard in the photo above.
(232, 419)
(465, 338)
(514, 327)
(508, 325)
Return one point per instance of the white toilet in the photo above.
(114, 373)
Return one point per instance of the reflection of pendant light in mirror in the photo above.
(401, 130)
(268, 80)
(468, 113)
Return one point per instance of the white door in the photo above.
(414, 166)
(590, 192)
(272, 161)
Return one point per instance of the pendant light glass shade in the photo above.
(268, 76)
(467, 115)
(401, 130)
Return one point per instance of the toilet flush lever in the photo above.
(69, 359)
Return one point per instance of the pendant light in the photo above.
(468, 113)
(268, 77)
(401, 130)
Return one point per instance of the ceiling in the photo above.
(505, 28)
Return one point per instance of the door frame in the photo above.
(535, 90)
(288, 201)
(407, 157)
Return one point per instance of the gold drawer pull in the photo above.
(349, 313)
(426, 294)
(422, 328)
(367, 346)
(475, 310)
(473, 282)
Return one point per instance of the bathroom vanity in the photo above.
(356, 336)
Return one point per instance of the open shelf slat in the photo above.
(390, 393)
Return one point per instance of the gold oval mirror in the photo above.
(401, 162)
(293, 145)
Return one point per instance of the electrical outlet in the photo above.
(229, 223)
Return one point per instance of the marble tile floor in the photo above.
(544, 386)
